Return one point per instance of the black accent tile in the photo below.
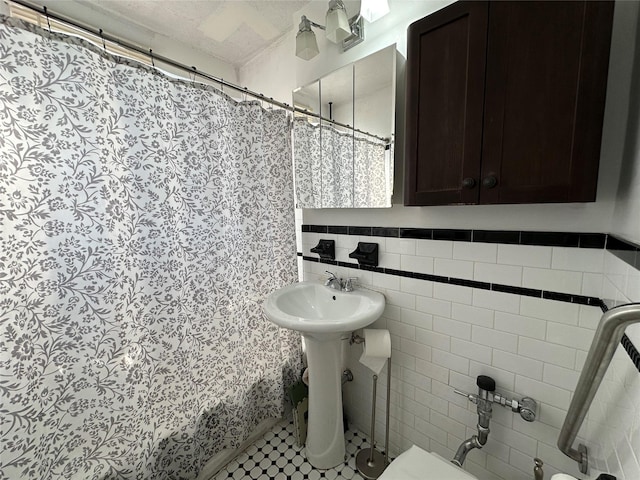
(328, 261)
(561, 297)
(528, 292)
(420, 233)
(631, 350)
(463, 282)
(385, 232)
(583, 300)
(306, 228)
(347, 264)
(370, 268)
(338, 229)
(430, 277)
(496, 236)
(310, 259)
(624, 250)
(550, 239)
(593, 240)
(360, 231)
(456, 235)
(318, 228)
(615, 243)
(398, 273)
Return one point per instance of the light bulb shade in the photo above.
(337, 22)
(306, 45)
(372, 10)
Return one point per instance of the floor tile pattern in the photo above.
(277, 457)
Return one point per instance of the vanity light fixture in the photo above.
(339, 28)
(306, 44)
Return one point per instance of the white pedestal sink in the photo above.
(323, 315)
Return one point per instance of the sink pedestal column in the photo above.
(325, 430)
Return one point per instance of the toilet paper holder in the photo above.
(370, 462)
(357, 339)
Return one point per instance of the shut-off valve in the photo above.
(484, 400)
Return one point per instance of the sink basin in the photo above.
(323, 315)
(313, 309)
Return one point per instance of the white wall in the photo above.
(278, 71)
(87, 14)
(626, 220)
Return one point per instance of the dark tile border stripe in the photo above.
(548, 239)
(463, 282)
(631, 350)
(496, 287)
(628, 252)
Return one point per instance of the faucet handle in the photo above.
(332, 276)
(485, 382)
(349, 284)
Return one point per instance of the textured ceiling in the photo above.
(231, 30)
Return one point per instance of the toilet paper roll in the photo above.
(376, 350)
(562, 476)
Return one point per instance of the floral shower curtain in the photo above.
(142, 222)
(373, 170)
(335, 169)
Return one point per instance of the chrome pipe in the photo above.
(386, 433)
(464, 448)
(373, 418)
(605, 341)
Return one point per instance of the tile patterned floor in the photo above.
(277, 457)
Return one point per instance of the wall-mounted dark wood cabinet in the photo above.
(505, 102)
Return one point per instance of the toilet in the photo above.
(418, 464)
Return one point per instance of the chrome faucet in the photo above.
(344, 285)
(333, 281)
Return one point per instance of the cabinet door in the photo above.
(546, 78)
(445, 89)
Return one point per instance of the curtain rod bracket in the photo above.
(47, 15)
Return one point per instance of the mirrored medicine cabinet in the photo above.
(344, 141)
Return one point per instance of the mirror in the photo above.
(343, 142)
(336, 138)
(306, 138)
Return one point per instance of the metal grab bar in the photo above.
(605, 341)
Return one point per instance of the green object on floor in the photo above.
(299, 396)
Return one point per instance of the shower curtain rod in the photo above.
(123, 43)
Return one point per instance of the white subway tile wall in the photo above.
(444, 335)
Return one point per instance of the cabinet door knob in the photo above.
(468, 182)
(489, 182)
